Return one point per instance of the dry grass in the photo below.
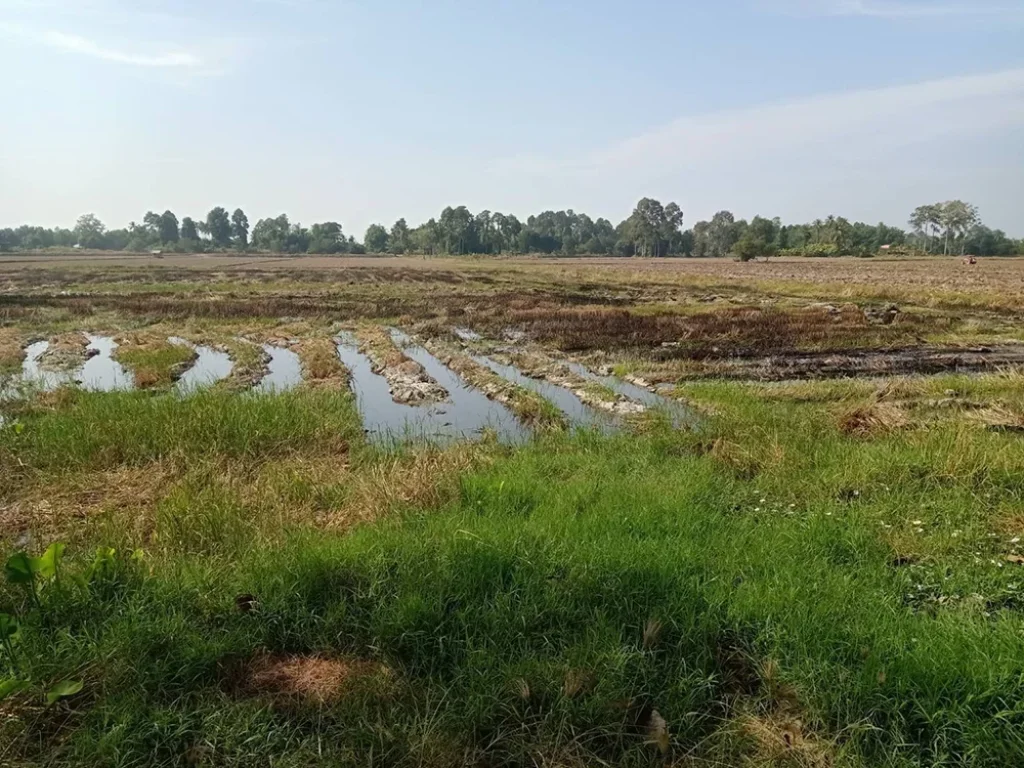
(376, 343)
(10, 349)
(425, 479)
(321, 366)
(873, 418)
(314, 679)
(1002, 417)
(123, 497)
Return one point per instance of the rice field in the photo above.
(413, 512)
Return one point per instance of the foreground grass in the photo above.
(769, 588)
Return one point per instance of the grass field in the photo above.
(814, 571)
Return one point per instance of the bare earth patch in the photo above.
(67, 352)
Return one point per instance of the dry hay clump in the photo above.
(1002, 418)
(321, 366)
(10, 348)
(315, 679)
(872, 418)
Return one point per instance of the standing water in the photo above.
(460, 418)
(679, 413)
(35, 375)
(284, 371)
(574, 409)
(101, 372)
(211, 366)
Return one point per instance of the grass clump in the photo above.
(156, 363)
(97, 431)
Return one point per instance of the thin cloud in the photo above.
(81, 45)
(881, 116)
(888, 9)
(852, 124)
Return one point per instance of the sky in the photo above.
(362, 111)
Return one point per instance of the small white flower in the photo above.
(1015, 540)
(920, 530)
(916, 522)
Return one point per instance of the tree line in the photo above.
(651, 230)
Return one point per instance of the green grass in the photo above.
(763, 545)
(95, 431)
(155, 365)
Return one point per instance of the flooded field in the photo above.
(422, 512)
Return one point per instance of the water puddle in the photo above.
(464, 416)
(284, 371)
(211, 366)
(680, 414)
(34, 375)
(101, 372)
(575, 410)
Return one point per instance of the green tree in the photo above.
(168, 228)
(957, 219)
(647, 224)
(271, 235)
(327, 238)
(188, 230)
(722, 234)
(89, 231)
(399, 238)
(673, 226)
(758, 239)
(240, 229)
(218, 227)
(376, 240)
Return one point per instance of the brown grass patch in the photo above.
(11, 352)
(321, 366)
(376, 342)
(873, 418)
(426, 479)
(314, 679)
(1002, 418)
(52, 511)
(781, 739)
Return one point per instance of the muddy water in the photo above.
(284, 371)
(464, 416)
(211, 366)
(101, 372)
(679, 413)
(575, 410)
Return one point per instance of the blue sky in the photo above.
(365, 111)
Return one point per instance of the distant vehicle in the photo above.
(970, 260)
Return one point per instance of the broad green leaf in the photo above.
(19, 569)
(63, 689)
(47, 565)
(18, 427)
(11, 687)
